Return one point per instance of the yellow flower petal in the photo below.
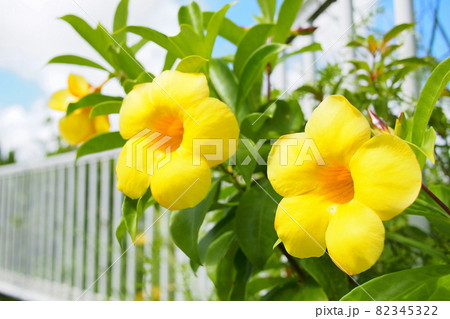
(61, 99)
(301, 222)
(76, 127)
(355, 238)
(211, 128)
(131, 181)
(135, 111)
(338, 129)
(101, 124)
(78, 85)
(386, 175)
(292, 167)
(181, 183)
(177, 90)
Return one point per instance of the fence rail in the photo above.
(57, 237)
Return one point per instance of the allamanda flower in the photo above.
(340, 204)
(77, 127)
(165, 121)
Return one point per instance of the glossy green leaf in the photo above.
(332, 280)
(213, 28)
(245, 163)
(121, 232)
(228, 29)
(99, 143)
(189, 42)
(429, 95)
(268, 9)
(192, 15)
(185, 225)
(105, 108)
(120, 20)
(253, 39)
(288, 13)
(424, 284)
(125, 60)
(91, 100)
(253, 68)
(224, 82)
(74, 59)
(191, 64)
(395, 31)
(219, 263)
(132, 210)
(157, 37)
(255, 217)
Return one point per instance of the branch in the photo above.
(436, 199)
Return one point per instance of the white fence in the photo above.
(57, 238)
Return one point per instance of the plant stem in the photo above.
(436, 199)
(269, 88)
(293, 263)
(232, 178)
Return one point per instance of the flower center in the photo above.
(171, 129)
(336, 184)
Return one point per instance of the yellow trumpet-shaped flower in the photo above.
(77, 127)
(339, 200)
(175, 133)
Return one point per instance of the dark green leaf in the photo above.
(332, 280)
(91, 100)
(120, 21)
(185, 225)
(288, 13)
(224, 81)
(245, 163)
(101, 142)
(191, 64)
(295, 291)
(243, 272)
(105, 108)
(424, 284)
(253, 39)
(192, 15)
(74, 59)
(253, 68)
(255, 217)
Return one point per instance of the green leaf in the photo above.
(219, 263)
(97, 38)
(288, 13)
(332, 280)
(121, 232)
(361, 65)
(99, 143)
(255, 216)
(245, 163)
(185, 225)
(355, 44)
(105, 108)
(294, 291)
(157, 37)
(169, 61)
(144, 77)
(213, 28)
(224, 82)
(228, 29)
(90, 100)
(192, 15)
(120, 21)
(396, 31)
(191, 64)
(309, 48)
(268, 9)
(132, 210)
(74, 59)
(429, 95)
(254, 66)
(189, 42)
(372, 44)
(253, 39)
(243, 271)
(424, 284)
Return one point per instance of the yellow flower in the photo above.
(77, 127)
(165, 122)
(340, 205)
